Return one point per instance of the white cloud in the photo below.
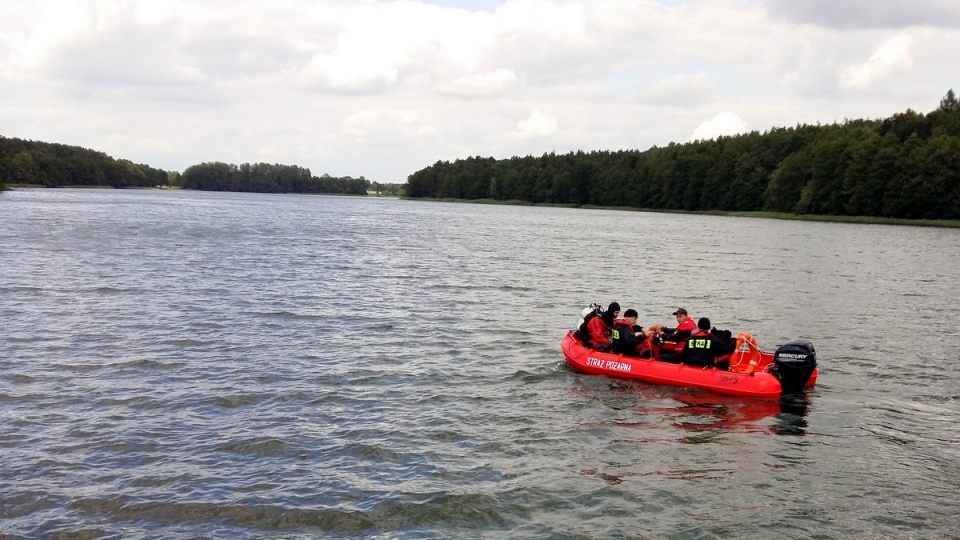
(487, 83)
(537, 125)
(724, 123)
(680, 90)
(561, 20)
(367, 56)
(379, 43)
(892, 54)
(403, 122)
(153, 12)
(28, 32)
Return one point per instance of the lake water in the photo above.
(184, 364)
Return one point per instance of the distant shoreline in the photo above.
(41, 186)
(865, 220)
(178, 188)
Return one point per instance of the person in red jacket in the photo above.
(599, 327)
(685, 327)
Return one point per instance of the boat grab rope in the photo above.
(752, 353)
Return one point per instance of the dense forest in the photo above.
(266, 178)
(58, 165)
(55, 165)
(906, 166)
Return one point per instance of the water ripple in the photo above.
(254, 366)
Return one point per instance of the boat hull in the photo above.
(736, 382)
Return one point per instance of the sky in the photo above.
(382, 89)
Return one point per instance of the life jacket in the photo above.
(624, 338)
(687, 326)
(680, 334)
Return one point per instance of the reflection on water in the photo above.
(792, 419)
(708, 414)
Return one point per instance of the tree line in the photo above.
(267, 178)
(906, 166)
(59, 165)
(55, 165)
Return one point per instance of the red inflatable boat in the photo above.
(753, 372)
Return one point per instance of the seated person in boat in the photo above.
(588, 312)
(582, 332)
(703, 348)
(685, 327)
(599, 327)
(628, 337)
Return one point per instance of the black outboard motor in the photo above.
(794, 362)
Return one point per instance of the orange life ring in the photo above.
(751, 355)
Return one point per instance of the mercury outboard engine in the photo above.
(794, 363)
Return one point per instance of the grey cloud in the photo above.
(867, 13)
(221, 53)
(138, 55)
(685, 91)
(127, 56)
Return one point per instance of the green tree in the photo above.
(949, 102)
(901, 199)
(864, 189)
(786, 182)
(822, 193)
(745, 191)
(946, 119)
